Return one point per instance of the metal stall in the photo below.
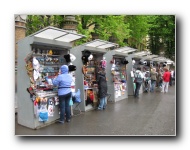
(40, 56)
(135, 61)
(162, 61)
(148, 60)
(117, 72)
(90, 59)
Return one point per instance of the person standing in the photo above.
(159, 76)
(171, 77)
(166, 80)
(102, 89)
(138, 81)
(63, 81)
(147, 81)
(153, 77)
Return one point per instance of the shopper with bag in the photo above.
(63, 81)
(138, 81)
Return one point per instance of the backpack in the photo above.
(138, 77)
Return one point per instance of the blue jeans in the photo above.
(102, 104)
(64, 107)
(153, 84)
(138, 86)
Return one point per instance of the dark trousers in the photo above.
(64, 106)
(138, 86)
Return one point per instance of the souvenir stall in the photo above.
(147, 62)
(40, 56)
(117, 72)
(135, 62)
(90, 60)
(162, 62)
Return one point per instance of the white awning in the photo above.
(142, 53)
(163, 59)
(53, 33)
(101, 44)
(149, 57)
(125, 49)
(159, 59)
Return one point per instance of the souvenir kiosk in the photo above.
(147, 61)
(40, 56)
(90, 60)
(155, 61)
(135, 61)
(117, 72)
(162, 61)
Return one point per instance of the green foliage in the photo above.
(138, 24)
(113, 26)
(105, 26)
(162, 34)
(35, 23)
(159, 28)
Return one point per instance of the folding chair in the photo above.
(76, 109)
(77, 101)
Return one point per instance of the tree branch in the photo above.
(90, 24)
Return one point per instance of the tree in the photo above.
(130, 30)
(105, 26)
(138, 25)
(162, 35)
(38, 22)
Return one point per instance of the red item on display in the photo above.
(91, 96)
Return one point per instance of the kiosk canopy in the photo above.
(125, 49)
(100, 44)
(53, 33)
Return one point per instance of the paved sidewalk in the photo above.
(150, 114)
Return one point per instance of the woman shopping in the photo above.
(63, 81)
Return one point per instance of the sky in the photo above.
(63, 7)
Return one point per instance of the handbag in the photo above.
(77, 98)
(71, 101)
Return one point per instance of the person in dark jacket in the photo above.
(63, 81)
(102, 89)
